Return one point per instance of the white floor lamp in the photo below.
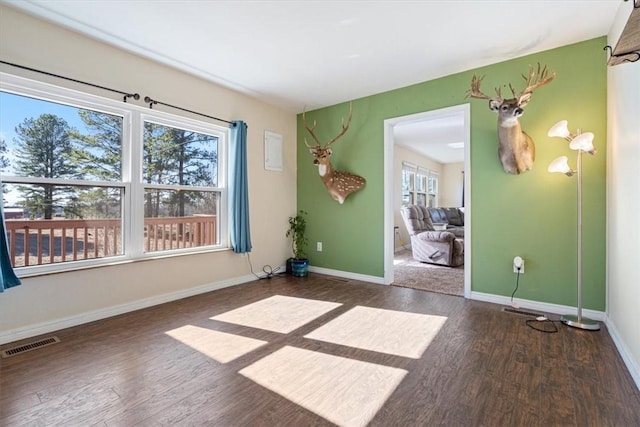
(582, 143)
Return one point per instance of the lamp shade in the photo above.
(583, 142)
(559, 129)
(560, 165)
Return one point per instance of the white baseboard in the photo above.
(624, 352)
(75, 320)
(347, 275)
(537, 305)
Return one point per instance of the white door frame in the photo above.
(389, 189)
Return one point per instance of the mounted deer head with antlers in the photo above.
(339, 183)
(516, 149)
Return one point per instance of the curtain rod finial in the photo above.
(135, 96)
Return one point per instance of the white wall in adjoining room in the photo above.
(451, 185)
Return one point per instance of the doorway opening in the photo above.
(392, 197)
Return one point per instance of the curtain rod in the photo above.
(135, 96)
(151, 102)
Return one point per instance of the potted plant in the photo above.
(299, 264)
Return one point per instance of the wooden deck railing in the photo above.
(36, 242)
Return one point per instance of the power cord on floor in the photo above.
(267, 270)
(543, 325)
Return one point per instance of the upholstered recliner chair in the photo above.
(430, 245)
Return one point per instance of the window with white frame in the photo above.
(408, 184)
(419, 186)
(88, 181)
(432, 189)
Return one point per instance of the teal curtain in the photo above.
(239, 229)
(8, 278)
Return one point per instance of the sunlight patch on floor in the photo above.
(385, 331)
(344, 391)
(277, 313)
(219, 346)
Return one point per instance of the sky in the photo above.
(15, 109)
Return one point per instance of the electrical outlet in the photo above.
(518, 265)
(319, 246)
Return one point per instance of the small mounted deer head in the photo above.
(516, 149)
(339, 183)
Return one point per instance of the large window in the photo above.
(181, 193)
(88, 181)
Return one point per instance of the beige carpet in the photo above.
(219, 346)
(344, 391)
(278, 313)
(385, 331)
(409, 273)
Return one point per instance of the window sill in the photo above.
(121, 261)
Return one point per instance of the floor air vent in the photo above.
(521, 312)
(27, 347)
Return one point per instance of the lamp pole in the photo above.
(568, 319)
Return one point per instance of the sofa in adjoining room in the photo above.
(451, 218)
(443, 246)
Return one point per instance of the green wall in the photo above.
(532, 215)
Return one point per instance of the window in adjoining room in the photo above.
(419, 186)
(408, 178)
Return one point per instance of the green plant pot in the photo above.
(300, 267)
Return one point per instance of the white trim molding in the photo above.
(348, 275)
(544, 307)
(389, 233)
(634, 370)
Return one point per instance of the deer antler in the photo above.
(311, 131)
(534, 81)
(474, 91)
(344, 127)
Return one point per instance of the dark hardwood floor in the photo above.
(484, 368)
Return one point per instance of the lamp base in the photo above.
(582, 323)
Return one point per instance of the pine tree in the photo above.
(98, 156)
(177, 157)
(4, 162)
(43, 149)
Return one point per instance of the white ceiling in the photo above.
(297, 54)
(432, 137)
